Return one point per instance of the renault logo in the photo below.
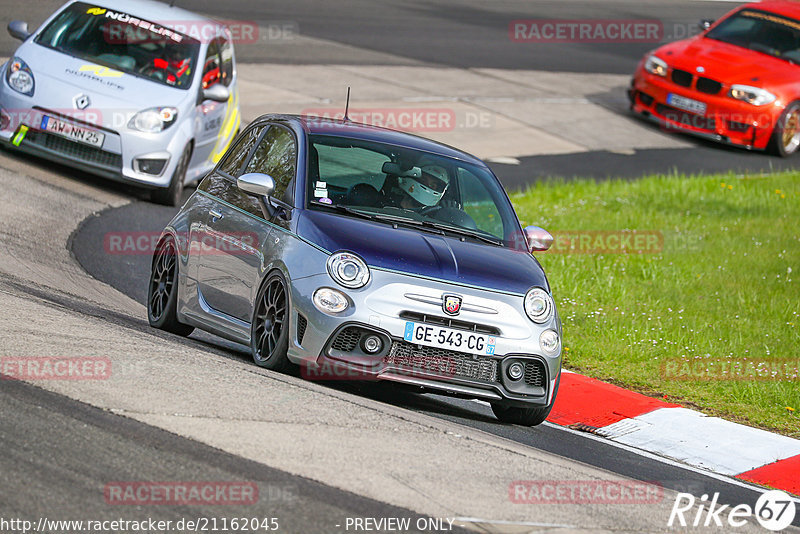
(81, 101)
(451, 304)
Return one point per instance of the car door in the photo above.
(242, 231)
(216, 122)
(218, 232)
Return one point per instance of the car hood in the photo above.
(727, 63)
(113, 95)
(424, 254)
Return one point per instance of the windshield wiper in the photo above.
(463, 232)
(408, 222)
(344, 209)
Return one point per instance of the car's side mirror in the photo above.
(217, 93)
(256, 183)
(18, 29)
(538, 239)
(706, 24)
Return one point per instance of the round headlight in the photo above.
(538, 305)
(348, 270)
(329, 300)
(549, 342)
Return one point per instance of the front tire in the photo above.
(785, 138)
(525, 416)
(269, 334)
(162, 291)
(171, 196)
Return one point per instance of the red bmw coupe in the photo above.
(737, 82)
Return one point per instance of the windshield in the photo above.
(124, 43)
(409, 187)
(764, 32)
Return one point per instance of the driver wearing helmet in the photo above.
(424, 191)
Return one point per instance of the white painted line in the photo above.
(504, 160)
(708, 442)
(667, 461)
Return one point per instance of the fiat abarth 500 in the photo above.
(118, 90)
(738, 82)
(321, 242)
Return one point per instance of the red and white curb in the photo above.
(674, 432)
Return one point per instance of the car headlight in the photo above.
(538, 305)
(348, 270)
(20, 77)
(549, 342)
(752, 95)
(656, 65)
(153, 120)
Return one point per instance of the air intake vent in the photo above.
(302, 323)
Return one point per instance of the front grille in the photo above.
(449, 322)
(534, 374)
(302, 323)
(682, 77)
(347, 339)
(74, 150)
(708, 86)
(686, 119)
(441, 361)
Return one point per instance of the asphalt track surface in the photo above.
(129, 273)
(95, 448)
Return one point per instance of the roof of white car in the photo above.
(154, 11)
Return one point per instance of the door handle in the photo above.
(215, 215)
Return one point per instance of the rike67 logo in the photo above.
(774, 510)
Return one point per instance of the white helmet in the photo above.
(429, 188)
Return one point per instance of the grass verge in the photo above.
(703, 308)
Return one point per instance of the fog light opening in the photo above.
(515, 371)
(372, 344)
(151, 166)
(329, 300)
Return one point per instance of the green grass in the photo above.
(725, 286)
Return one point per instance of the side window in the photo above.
(234, 158)
(276, 155)
(211, 66)
(478, 204)
(226, 62)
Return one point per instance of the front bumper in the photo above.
(20, 129)
(726, 120)
(383, 308)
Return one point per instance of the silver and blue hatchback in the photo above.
(361, 252)
(119, 90)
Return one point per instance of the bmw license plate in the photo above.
(686, 104)
(86, 136)
(447, 338)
